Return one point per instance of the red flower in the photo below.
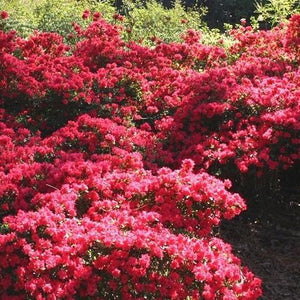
(118, 17)
(96, 16)
(4, 14)
(86, 14)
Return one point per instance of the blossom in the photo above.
(4, 15)
(86, 14)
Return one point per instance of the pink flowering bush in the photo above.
(105, 154)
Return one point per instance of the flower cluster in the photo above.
(4, 14)
(104, 152)
(119, 257)
(245, 112)
(81, 217)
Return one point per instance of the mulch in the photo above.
(268, 242)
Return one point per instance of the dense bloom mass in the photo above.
(105, 153)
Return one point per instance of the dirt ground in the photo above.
(269, 244)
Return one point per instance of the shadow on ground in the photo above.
(270, 245)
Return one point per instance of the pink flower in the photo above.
(243, 21)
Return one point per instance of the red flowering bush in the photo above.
(79, 222)
(293, 35)
(121, 256)
(245, 112)
(104, 146)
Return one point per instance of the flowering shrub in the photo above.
(247, 112)
(105, 148)
(77, 222)
(118, 257)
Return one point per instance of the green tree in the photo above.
(147, 19)
(50, 15)
(273, 12)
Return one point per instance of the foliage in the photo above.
(146, 22)
(51, 15)
(150, 21)
(276, 11)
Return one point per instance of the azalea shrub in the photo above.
(109, 151)
(245, 112)
(81, 217)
